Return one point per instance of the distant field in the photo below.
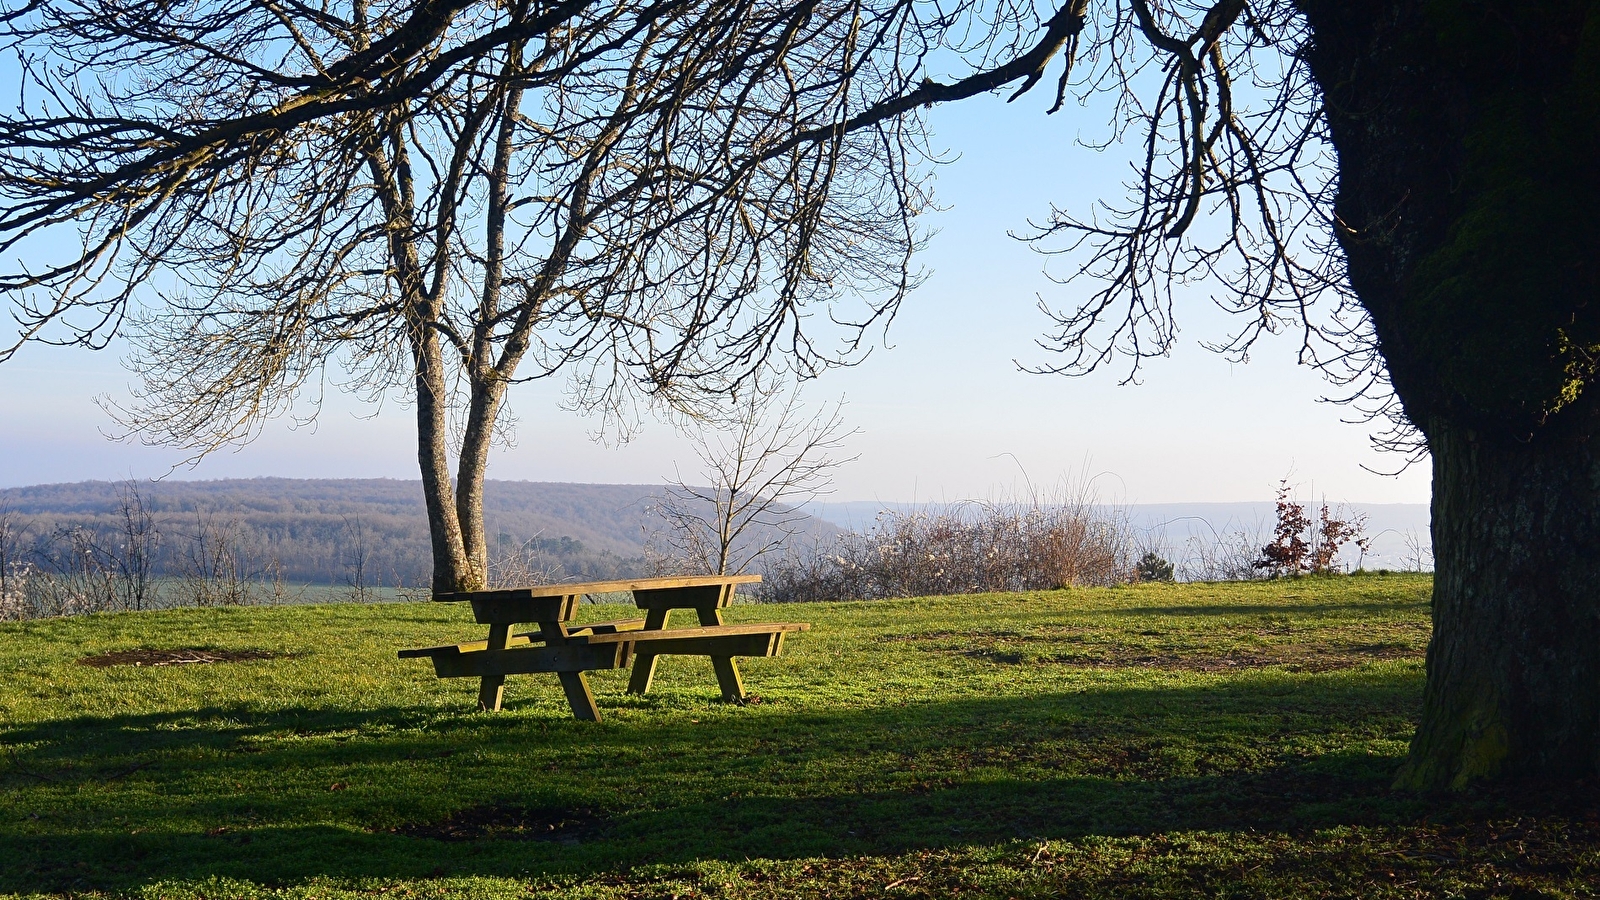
(264, 593)
(1145, 741)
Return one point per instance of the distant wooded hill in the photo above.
(327, 531)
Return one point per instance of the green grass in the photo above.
(1146, 741)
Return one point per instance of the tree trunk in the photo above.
(475, 444)
(1466, 135)
(488, 387)
(1514, 665)
(452, 571)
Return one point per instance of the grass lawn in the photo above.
(1228, 740)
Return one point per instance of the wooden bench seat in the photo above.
(476, 660)
(614, 627)
(527, 637)
(714, 641)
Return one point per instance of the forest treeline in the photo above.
(371, 532)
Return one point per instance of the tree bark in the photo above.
(1514, 665)
(391, 170)
(1466, 135)
(452, 570)
(487, 383)
(484, 407)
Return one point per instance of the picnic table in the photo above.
(569, 650)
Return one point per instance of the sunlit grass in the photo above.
(1155, 740)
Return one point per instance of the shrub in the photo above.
(1300, 545)
(972, 548)
(1152, 567)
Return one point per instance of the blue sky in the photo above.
(942, 409)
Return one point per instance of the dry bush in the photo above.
(72, 570)
(78, 576)
(1301, 544)
(522, 565)
(1227, 555)
(1205, 550)
(14, 570)
(13, 592)
(215, 569)
(66, 572)
(963, 549)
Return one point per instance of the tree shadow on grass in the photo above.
(282, 796)
(1263, 610)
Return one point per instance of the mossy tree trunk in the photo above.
(1469, 196)
(1514, 666)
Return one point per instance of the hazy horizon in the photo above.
(830, 499)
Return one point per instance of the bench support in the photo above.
(727, 670)
(492, 689)
(644, 661)
(566, 656)
(579, 696)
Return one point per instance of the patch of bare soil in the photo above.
(182, 656)
(498, 821)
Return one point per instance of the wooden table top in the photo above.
(597, 587)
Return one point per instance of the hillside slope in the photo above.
(319, 530)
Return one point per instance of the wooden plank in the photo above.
(516, 640)
(538, 637)
(527, 661)
(598, 587)
(712, 596)
(607, 627)
(494, 609)
(759, 644)
(649, 637)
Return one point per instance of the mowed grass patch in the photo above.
(1151, 740)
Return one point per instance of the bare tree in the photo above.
(214, 569)
(354, 547)
(13, 567)
(135, 559)
(758, 469)
(616, 197)
(141, 121)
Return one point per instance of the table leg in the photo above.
(492, 689)
(727, 670)
(577, 688)
(644, 662)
